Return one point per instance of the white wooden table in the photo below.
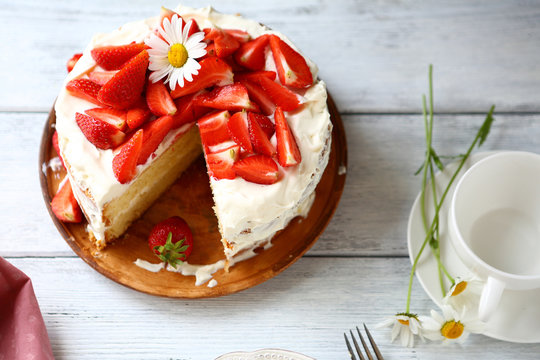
(374, 57)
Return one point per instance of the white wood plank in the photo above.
(373, 55)
(384, 153)
(306, 309)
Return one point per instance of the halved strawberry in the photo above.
(71, 62)
(114, 57)
(264, 122)
(137, 116)
(213, 128)
(159, 99)
(124, 163)
(259, 140)
(187, 110)
(240, 35)
(287, 149)
(251, 54)
(210, 50)
(259, 169)
(257, 94)
(254, 75)
(65, 206)
(101, 77)
(84, 89)
(57, 147)
(279, 95)
(229, 97)
(153, 135)
(114, 117)
(100, 133)
(127, 85)
(225, 45)
(213, 71)
(291, 67)
(220, 164)
(238, 129)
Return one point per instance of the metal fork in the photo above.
(366, 349)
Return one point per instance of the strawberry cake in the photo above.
(143, 102)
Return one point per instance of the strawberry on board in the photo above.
(171, 241)
(213, 128)
(251, 54)
(291, 67)
(220, 164)
(85, 89)
(280, 95)
(259, 169)
(259, 139)
(65, 206)
(124, 163)
(259, 96)
(213, 71)
(71, 62)
(287, 149)
(115, 57)
(114, 117)
(232, 97)
(153, 135)
(238, 129)
(187, 111)
(264, 122)
(101, 77)
(126, 86)
(159, 99)
(100, 133)
(57, 147)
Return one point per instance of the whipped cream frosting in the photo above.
(239, 205)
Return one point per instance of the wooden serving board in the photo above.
(191, 198)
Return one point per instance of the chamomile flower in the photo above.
(406, 326)
(173, 53)
(451, 326)
(464, 294)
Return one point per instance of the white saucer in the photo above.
(518, 316)
(276, 354)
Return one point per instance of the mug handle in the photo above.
(491, 295)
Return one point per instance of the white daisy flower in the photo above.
(464, 294)
(406, 326)
(173, 54)
(451, 326)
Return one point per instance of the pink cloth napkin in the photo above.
(22, 331)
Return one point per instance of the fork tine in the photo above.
(368, 353)
(349, 347)
(373, 345)
(358, 351)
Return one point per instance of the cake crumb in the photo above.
(342, 170)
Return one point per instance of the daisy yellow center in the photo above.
(452, 329)
(403, 322)
(177, 55)
(460, 287)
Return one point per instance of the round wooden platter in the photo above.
(191, 198)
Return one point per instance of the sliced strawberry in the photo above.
(100, 133)
(114, 57)
(213, 128)
(187, 111)
(229, 97)
(114, 117)
(57, 147)
(124, 163)
(102, 77)
(153, 135)
(251, 54)
(287, 149)
(65, 206)
(259, 140)
(168, 14)
(71, 62)
(84, 89)
(136, 117)
(225, 45)
(259, 169)
(279, 95)
(291, 67)
(213, 71)
(264, 122)
(210, 50)
(257, 94)
(238, 129)
(254, 75)
(159, 99)
(240, 35)
(220, 164)
(126, 86)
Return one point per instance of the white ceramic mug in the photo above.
(494, 224)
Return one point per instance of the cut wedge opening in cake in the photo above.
(143, 102)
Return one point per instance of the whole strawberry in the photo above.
(171, 240)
